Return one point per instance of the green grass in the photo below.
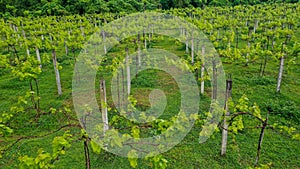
(277, 149)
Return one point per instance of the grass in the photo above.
(277, 149)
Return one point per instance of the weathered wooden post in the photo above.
(215, 80)
(202, 70)
(227, 114)
(103, 105)
(128, 71)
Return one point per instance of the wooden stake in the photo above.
(103, 105)
(227, 114)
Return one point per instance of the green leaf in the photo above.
(255, 110)
(296, 137)
(135, 131)
(132, 157)
(95, 147)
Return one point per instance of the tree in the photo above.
(29, 69)
(52, 7)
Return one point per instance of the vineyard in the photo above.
(243, 63)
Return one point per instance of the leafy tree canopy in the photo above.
(11, 8)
